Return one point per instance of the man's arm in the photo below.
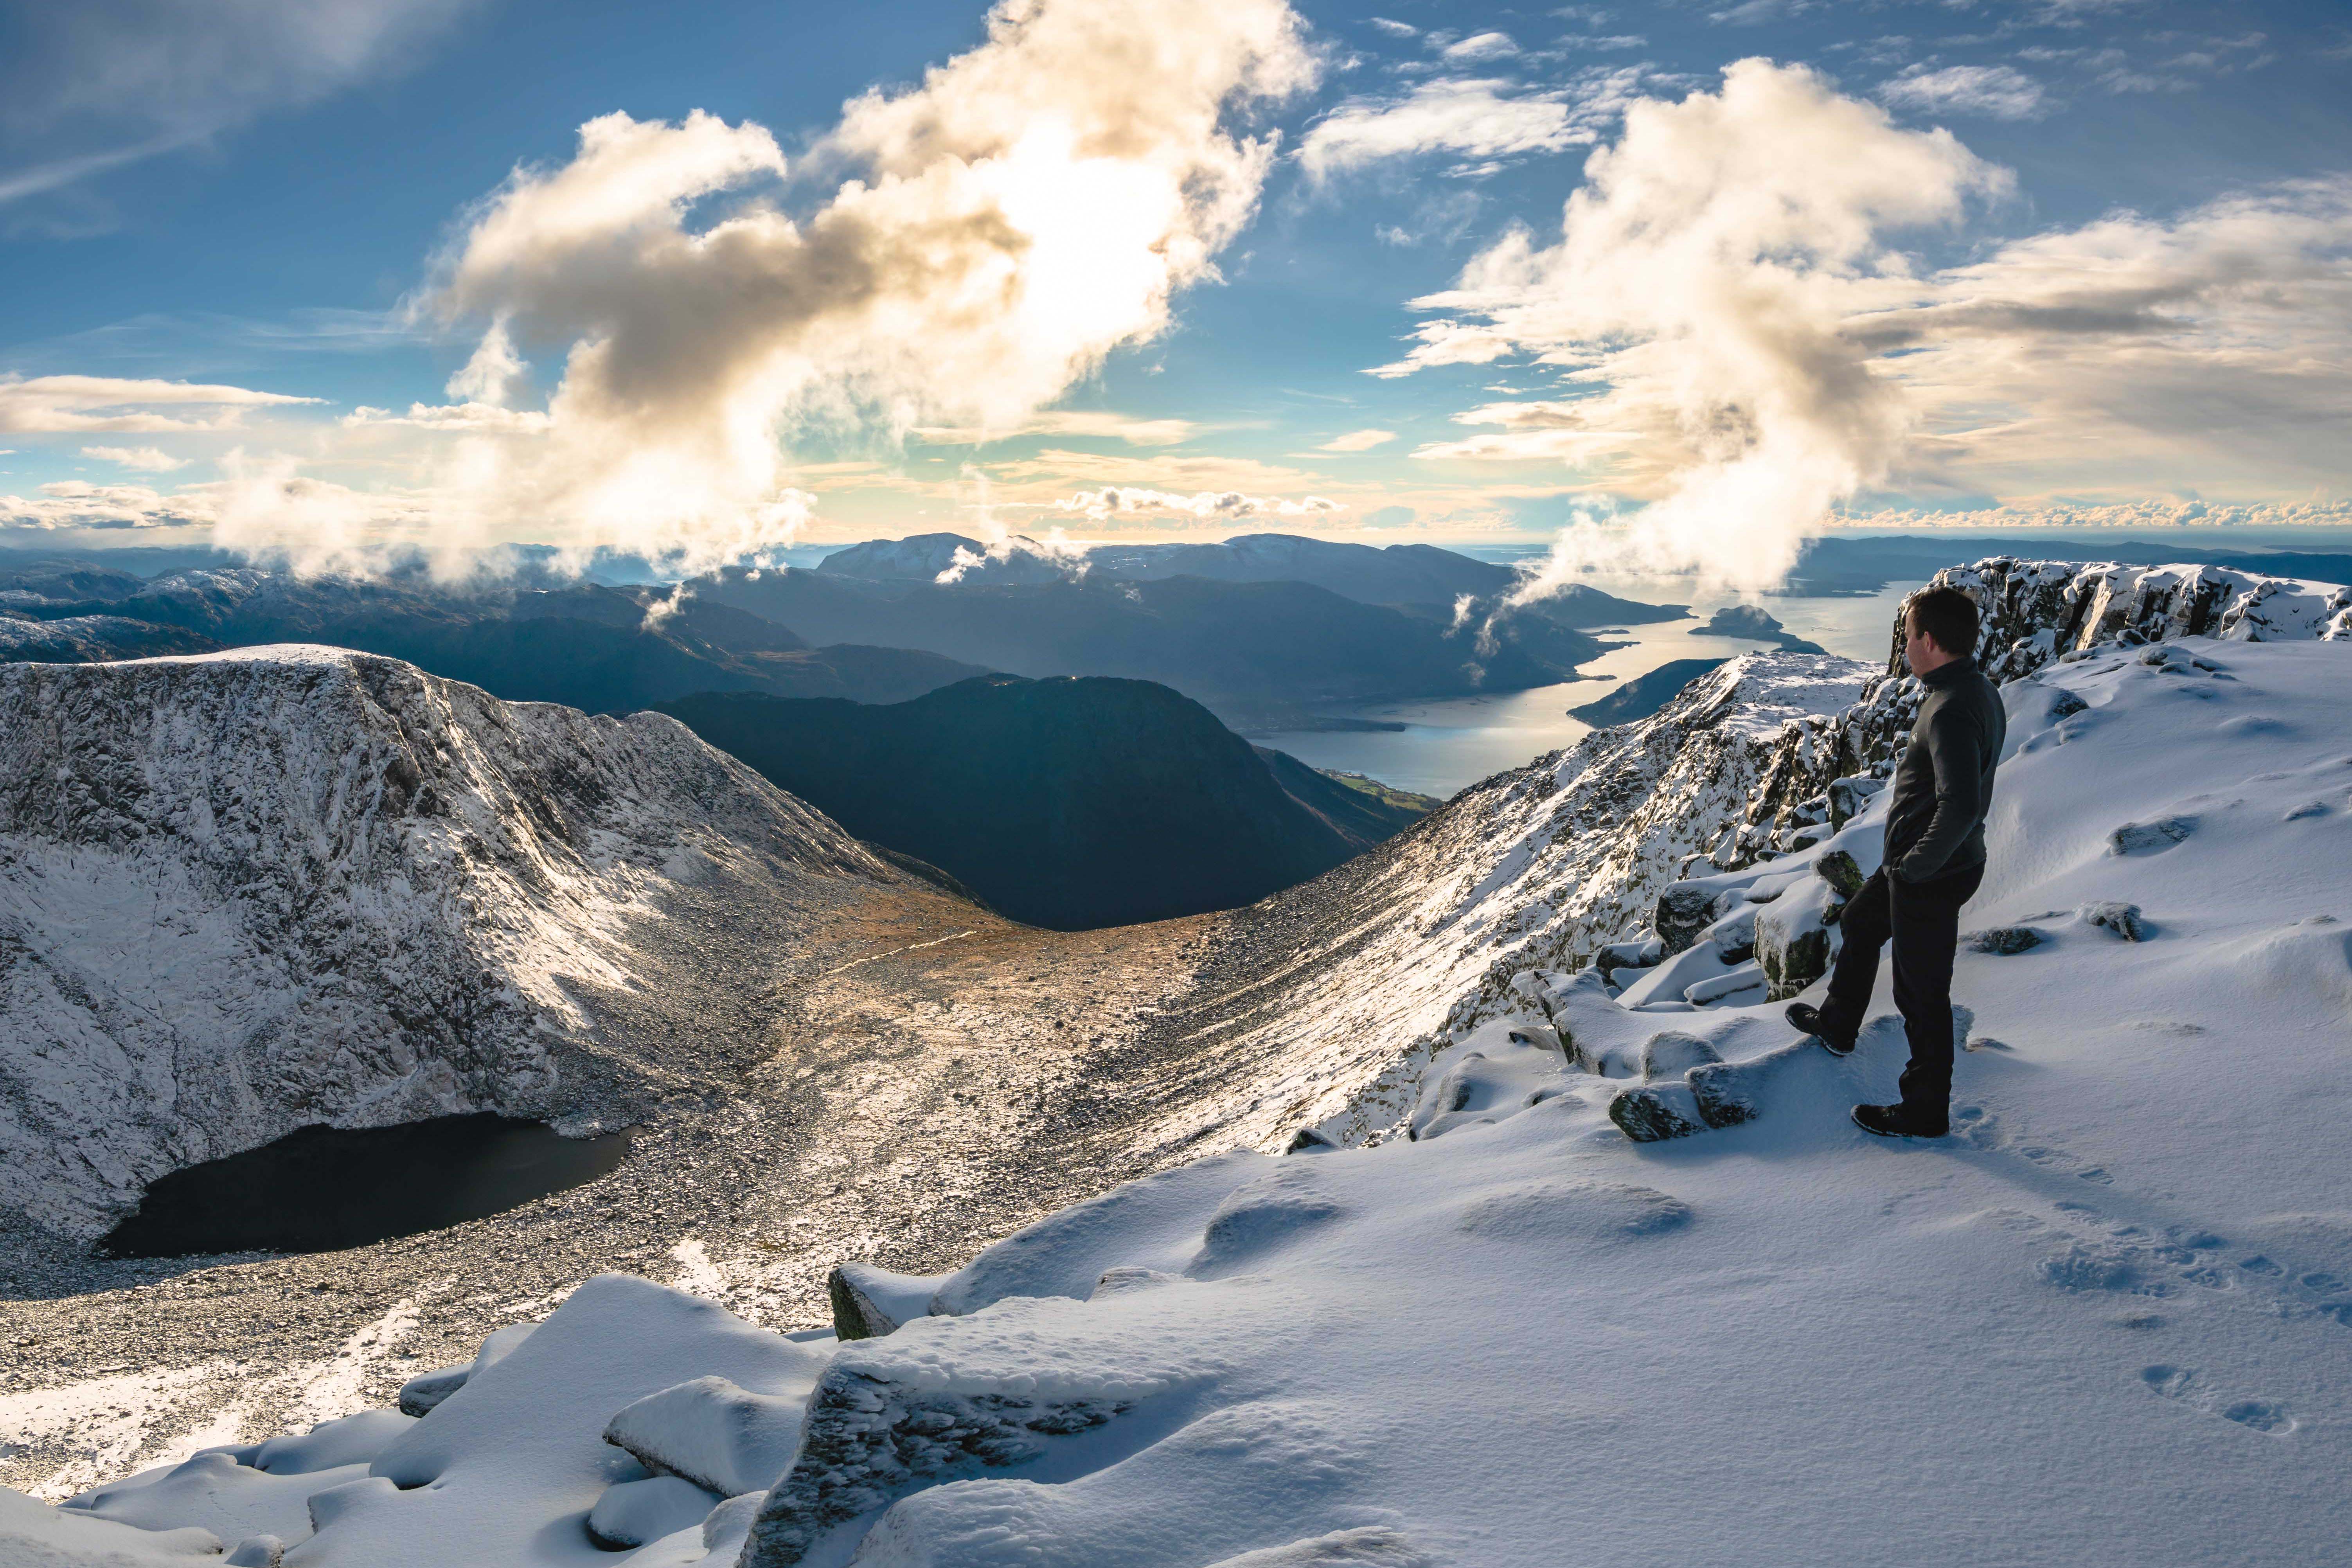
(1953, 751)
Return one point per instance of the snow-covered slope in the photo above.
(251, 890)
(2108, 1322)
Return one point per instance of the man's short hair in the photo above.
(1947, 618)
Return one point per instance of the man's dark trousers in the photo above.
(1923, 919)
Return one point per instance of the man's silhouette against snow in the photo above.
(1935, 859)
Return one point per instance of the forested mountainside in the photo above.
(1064, 802)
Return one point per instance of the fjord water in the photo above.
(1447, 745)
(320, 1189)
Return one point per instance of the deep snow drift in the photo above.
(2108, 1321)
(247, 891)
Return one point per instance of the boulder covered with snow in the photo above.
(725, 1440)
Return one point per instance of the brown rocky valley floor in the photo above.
(915, 1081)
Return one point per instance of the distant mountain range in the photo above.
(1266, 629)
(604, 650)
(1260, 654)
(1414, 574)
(1067, 803)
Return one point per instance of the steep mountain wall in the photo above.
(247, 891)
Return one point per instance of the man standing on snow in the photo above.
(1935, 859)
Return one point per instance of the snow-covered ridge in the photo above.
(1550, 866)
(247, 891)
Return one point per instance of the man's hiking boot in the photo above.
(1897, 1121)
(1806, 1018)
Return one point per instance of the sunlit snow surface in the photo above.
(2108, 1321)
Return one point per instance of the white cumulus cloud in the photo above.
(1740, 344)
(1700, 281)
(979, 244)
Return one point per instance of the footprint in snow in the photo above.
(2267, 1416)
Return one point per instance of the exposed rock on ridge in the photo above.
(248, 891)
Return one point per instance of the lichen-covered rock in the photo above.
(1655, 1112)
(1792, 933)
(1734, 1093)
(887, 1419)
(1684, 910)
(1725, 1096)
(1848, 796)
(2003, 941)
(1841, 871)
(1671, 1053)
(2150, 838)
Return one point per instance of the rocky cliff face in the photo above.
(1593, 856)
(248, 891)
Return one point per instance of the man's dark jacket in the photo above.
(1943, 787)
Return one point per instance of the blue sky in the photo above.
(319, 201)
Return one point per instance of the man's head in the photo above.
(1939, 626)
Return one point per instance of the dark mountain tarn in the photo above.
(322, 1189)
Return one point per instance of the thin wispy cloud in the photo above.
(1480, 46)
(1064, 422)
(1478, 118)
(103, 402)
(98, 84)
(1220, 506)
(1996, 92)
(147, 460)
(1358, 441)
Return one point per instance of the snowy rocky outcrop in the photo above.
(244, 892)
(82, 639)
(1597, 857)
